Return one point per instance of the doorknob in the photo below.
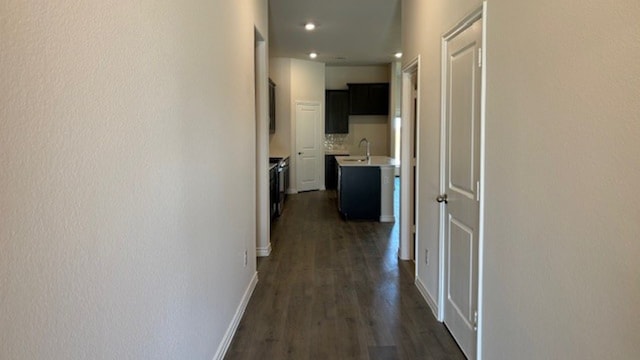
(442, 199)
(300, 153)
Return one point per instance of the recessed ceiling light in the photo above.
(398, 55)
(313, 55)
(309, 26)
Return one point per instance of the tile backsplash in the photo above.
(336, 141)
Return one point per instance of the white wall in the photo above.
(562, 208)
(374, 127)
(123, 228)
(280, 73)
(297, 80)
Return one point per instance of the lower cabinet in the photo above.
(331, 171)
(359, 192)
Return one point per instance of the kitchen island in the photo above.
(365, 187)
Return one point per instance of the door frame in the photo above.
(262, 243)
(467, 21)
(407, 131)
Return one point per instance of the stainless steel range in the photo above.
(283, 181)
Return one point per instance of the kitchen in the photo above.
(357, 103)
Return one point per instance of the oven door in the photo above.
(283, 183)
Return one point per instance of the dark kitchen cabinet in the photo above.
(336, 120)
(369, 99)
(272, 107)
(359, 192)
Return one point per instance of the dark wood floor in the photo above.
(335, 290)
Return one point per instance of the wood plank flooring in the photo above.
(333, 289)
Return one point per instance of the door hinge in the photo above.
(479, 57)
(413, 229)
(475, 320)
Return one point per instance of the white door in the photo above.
(308, 128)
(462, 175)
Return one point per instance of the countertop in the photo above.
(380, 161)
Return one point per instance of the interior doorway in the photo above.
(262, 245)
(409, 158)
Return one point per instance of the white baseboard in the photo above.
(433, 305)
(263, 251)
(231, 330)
(387, 218)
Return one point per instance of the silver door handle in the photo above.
(442, 199)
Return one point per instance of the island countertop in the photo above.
(379, 161)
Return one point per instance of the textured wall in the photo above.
(562, 206)
(123, 229)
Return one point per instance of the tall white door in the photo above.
(462, 182)
(308, 153)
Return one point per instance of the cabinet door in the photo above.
(358, 99)
(369, 99)
(336, 112)
(379, 99)
(360, 192)
(272, 107)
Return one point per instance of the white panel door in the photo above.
(462, 175)
(308, 127)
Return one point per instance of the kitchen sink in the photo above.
(355, 159)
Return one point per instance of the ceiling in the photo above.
(348, 32)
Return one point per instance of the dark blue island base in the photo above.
(359, 192)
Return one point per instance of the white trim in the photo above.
(427, 297)
(264, 251)
(483, 119)
(233, 326)
(261, 187)
(387, 218)
(404, 252)
(443, 159)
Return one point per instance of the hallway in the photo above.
(335, 290)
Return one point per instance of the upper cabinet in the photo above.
(369, 99)
(336, 119)
(272, 107)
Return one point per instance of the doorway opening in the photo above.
(409, 157)
(262, 244)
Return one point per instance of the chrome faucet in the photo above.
(368, 147)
